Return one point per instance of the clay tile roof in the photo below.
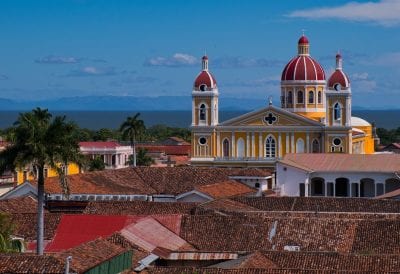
(19, 205)
(24, 263)
(344, 162)
(227, 205)
(120, 181)
(183, 179)
(251, 172)
(25, 225)
(90, 254)
(167, 149)
(137, 208)
(225, 189)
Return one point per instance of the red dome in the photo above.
(303, 68)
(205, 78)
(339, 77)
(303, 40)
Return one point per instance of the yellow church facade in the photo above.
(314, 116)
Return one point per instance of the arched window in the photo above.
(203, 87)
(337, 112)
(270, 147)
(311, 97)
(315, 146)
(290, 98)
(240, 148)
(225, 148)
(300, 146)
(202, 112)
(300, 97)
(319, 97)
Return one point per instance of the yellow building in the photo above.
(28, 175)
(314, 117)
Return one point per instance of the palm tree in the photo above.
(132, 128)
(41, 141)
(7, 242)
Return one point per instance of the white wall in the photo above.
(288, 180)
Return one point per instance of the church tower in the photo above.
(338, 110)
(205, 97)
(303, 84)
(338, 97)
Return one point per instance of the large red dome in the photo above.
(303, 68)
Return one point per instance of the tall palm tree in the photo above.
(132, 128)
(41, 141)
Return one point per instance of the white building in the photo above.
(113, 154)
(338, 175)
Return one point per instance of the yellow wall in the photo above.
(72, 169)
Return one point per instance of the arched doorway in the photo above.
(392, 184)
(225, 148)
(300, 146)
(240, 148)
(315, 146)
(367, 187)
(341, 187)
(317, 186)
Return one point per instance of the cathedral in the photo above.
(314, 117)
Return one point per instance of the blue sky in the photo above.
(64, 48)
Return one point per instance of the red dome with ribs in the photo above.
(339, 77)
(303, 67)
(205, 78)
(303, 40)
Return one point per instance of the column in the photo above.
(212, 112)
(253, 144)
(350, 190)
(334, 189)
(218, 144)
(359, 193)
(279, 145)
(247, 144)
(306, 187)
(326, 188)
(375, 188)
(233, 145)
(260, 146)
(308, 142)
(292, 143)
(287, 142)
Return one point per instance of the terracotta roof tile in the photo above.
(90, 254)
(344, 162)
(225, 189)
(137, 208)
(167, 149)
(120, 181)
(99, 144)
(25, 224)
(24, 263)
(19, 205)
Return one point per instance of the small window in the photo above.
(319, 97)
(337, 141)
(337, 87)
(290, 97)
(300, 97)
(311, 97)
(337, 112)
(257, 185)
(225, 148)
(203, 87)
(202, 140)
(202, 112)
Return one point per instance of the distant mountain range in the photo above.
(127, 103)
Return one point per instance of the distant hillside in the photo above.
(126, 103)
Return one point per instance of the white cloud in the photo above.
(93, 71)
(243, 62)
(359, 76)
(177, 60)
(388, 59)
(384, 12)
(53, 59)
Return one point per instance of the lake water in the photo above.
(112, 119)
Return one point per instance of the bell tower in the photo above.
(205, 97)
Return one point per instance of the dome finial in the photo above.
(339, 62)
(303, 45)
(204, 62)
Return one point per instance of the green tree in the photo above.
(142, 159)
(7, 244)
(41, 141)
(96, 164)
(132, 128)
